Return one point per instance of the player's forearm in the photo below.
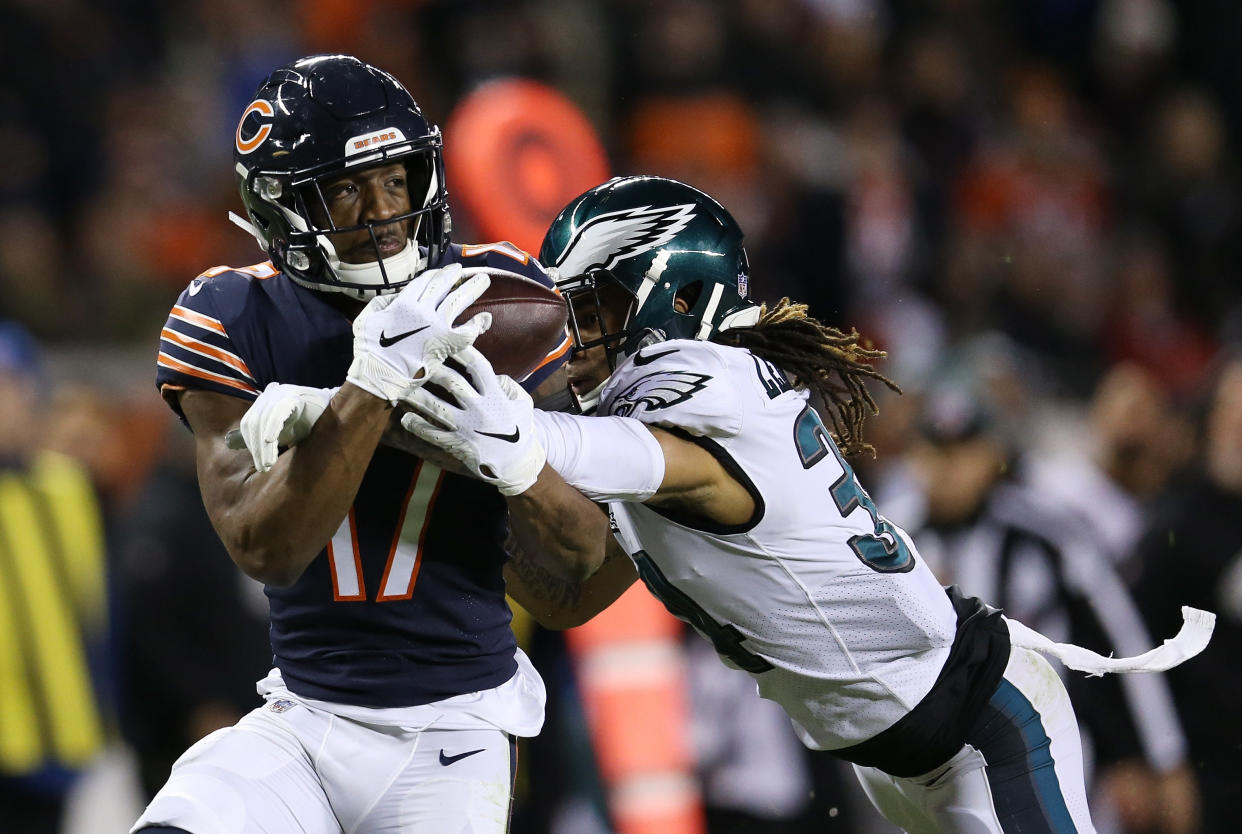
(280, 520)
(557, 602)
(622, 459)
(555, 521)
(605, 458)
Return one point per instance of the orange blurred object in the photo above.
(515, 152)
(714, 131)
(631, 674)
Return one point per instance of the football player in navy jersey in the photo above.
(397, 687)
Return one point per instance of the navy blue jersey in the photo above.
(406, 604)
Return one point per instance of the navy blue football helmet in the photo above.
(310, 121)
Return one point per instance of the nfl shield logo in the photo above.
(281, 705)
(743, 284)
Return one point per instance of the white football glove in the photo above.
(401, 338)
(490, 428)
(281, 416)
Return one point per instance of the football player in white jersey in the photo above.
(737, 508)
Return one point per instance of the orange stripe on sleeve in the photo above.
(177, 365)
(503, 247)
(205, 349)
(186, 314)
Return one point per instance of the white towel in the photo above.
(1191, 639)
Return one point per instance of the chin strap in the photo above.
(562, 400)
(365, 280)
(1192, 638)
(248, 227)
(588, 402)
(745, 317)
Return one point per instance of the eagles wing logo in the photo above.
(608, 239)
(655, 391)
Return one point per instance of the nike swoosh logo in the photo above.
(448, 760)
(508, 438)
(640, 359)
(388, 341)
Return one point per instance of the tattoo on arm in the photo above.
(537, 580)
(544, 584)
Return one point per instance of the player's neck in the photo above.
(344, 304)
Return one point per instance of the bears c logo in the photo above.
(263, 108)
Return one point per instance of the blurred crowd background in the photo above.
(1033, 206)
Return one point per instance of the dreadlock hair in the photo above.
(832, 363)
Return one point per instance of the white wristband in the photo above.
(377, 378)
(604, 458)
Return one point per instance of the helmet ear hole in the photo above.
(309, 202)
(687, 297)
(419, 171)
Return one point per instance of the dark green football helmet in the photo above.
(659, 240)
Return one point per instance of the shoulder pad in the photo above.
(261, 271)
(197, 349)
(501, 255)
(681, 383)
(221, 290)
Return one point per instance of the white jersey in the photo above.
(825, 603)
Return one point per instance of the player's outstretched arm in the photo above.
(275, 523)
(557, 602)
(696, 482)
(623, 459)
(486, 422)
(559, 525)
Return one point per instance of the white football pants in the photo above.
(1020, 770)
(289, 768)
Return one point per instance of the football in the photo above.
(528, 322)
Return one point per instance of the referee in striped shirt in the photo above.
(1002, 541)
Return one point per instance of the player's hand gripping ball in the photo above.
(528, 322)
(402, 337)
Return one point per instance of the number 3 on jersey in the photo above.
(884, 550)
(404, 556)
